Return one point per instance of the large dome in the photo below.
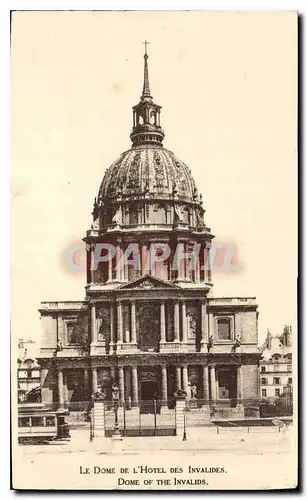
(148, 169)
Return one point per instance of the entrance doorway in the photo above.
(149, 393)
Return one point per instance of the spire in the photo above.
(146, 114)
(146, 93)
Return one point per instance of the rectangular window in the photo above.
(223, 328)
(74, 334)
(276, 381)
(50, 421)
(290, 380)
(263, 369)
(264, 392)
(24, 422)
(263, 381)
(37, 421)
(277, 392)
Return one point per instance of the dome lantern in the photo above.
(146, 114)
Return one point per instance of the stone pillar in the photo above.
(121, 384)
(239, 381)
(185, 379)
(120, 323)
(162, 323)
(144, 259)
(112, 340)
(93, 325)
(92, 263)
(180, 415)
(109, 268)
(86, 381)
(118, 262)
(94, 380)
(184, 323)
(45, 391)
(98, 419)
(213, 383)
(60, 388)
(127, 383)
(178, 384)
(205, 383)
(164, 388)
(65, 391)
(176, 322)
(133, 316)
(135, 384)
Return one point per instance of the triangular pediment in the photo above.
(147, 282)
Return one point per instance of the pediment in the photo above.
(148, 282)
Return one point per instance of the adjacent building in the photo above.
(28, 369)
(149, 320)
(276, 375)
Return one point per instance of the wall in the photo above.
(250, 377)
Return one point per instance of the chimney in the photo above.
(269, 340)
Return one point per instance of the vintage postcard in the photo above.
(154, 268)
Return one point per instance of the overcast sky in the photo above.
(227, 83)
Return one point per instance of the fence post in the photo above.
(154, 417)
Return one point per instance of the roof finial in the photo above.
(146, 86)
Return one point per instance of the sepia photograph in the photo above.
(154, 259)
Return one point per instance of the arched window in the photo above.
(263, 381)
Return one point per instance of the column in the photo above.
(213, 383)
(144, 260)
(65, 391)
(204, 324)
(184, 323)
(94, 380)
(60, 388)
(120, 323)
(135, 384)
(239, 380)
(185, 379)
(133, 316)
(93, 325)
(92, 263)
(121, 384)
(176, 322)
(162, 323)
(205, 382)
(164, 388)
(118, 263)
(86, 382)
(109, 268)
(127, 382)
(111, 323)
(178, 384)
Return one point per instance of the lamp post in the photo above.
(115, 399)
(184, 428)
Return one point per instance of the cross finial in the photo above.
(145, 46)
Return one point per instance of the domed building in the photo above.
(149, 321)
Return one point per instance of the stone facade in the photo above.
(149, 323)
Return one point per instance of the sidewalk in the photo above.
(199, 440)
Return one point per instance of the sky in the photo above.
(227, 84)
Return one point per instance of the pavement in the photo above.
(258, 440)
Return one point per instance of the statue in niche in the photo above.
(210, 343)
(117, 217)
(192, 324)
(153, 117)
(200, 221)
(179, 212)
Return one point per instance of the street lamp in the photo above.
(184, 429)
(115, 399)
